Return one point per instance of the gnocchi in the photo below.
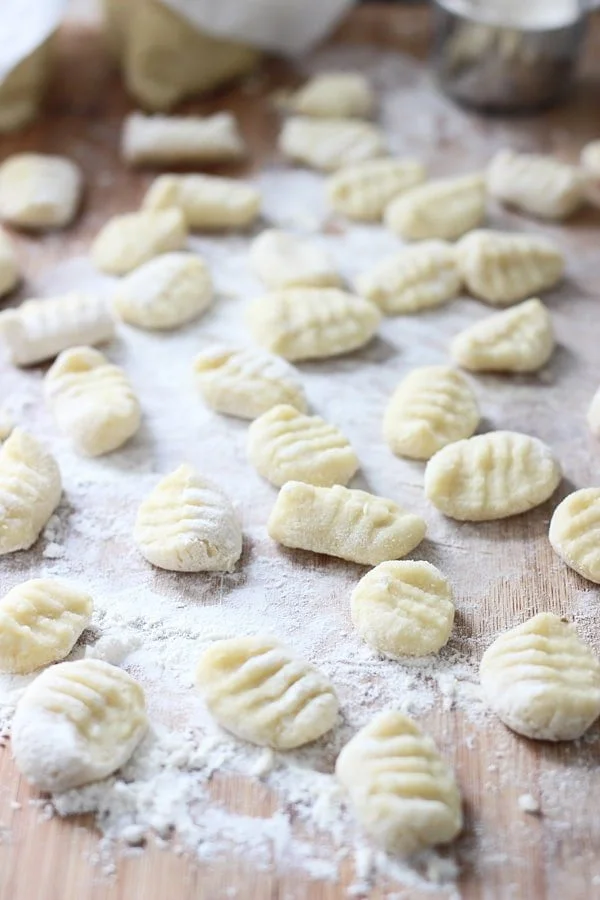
(491, 476)
(166, 140)
(287, 445)
(264, 694)
(362, 190)
(342, 95)
(329, 144)
(432, 407)
(350, 524)
(39, 191)
(129, 240)
(446, 208)
(283, 260)
(207, 201)
(536, 184)
(575, 532)
(40, 622)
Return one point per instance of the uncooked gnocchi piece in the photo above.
(536, 184)
(30, 490)
(163, 293)
(76, 723)
(503, 268)
(432, 407)
(416, 278)
(593, 416)
(9, 268)
(362, 190)
(92, 401)
(40, 623)
(208, 202)
(446, 208)
(127, 241)
(39, 191)
(575, 532)
(403, 608)
(541, 680)
(283, 260)
(245, 382)
(312, 323)
(341, 95)
(286, 445)
(520, 339)
(329, 144)
(187, 524)
(404, 795)
(491, 476)
(263, 693)
(38, 330)
(349, 524)
(166, 140)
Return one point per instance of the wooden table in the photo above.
(552, 855)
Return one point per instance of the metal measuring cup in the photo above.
(507, 55)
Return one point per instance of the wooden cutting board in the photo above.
(552, 855)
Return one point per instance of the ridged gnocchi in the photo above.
(329, 144)
(128, 240)
(166, 140)
(40, 622)
(283, 260)
(362, 190)
(208, 202)
(9, 268)
(92, 401)
(575, 532)
(30, 490)
(403, 793)
(245, 382)
(416, 278)
(262, 693)
(287, 445)
(541, 680)
(342, 95)
(520, 339)
(536, 184)
(503, 268)
(446, 208)
(432, 407)
(350, 524)
(403, 608)
(38, 191)
(312, 323)
(491, 476)
(164, 293)
(187, 524)
(76, 723)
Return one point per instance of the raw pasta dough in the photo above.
(169, 140)
(403, 793)
(38, 330)
(432, 407)
(342, 95)
(77, 722)
(416, 278)
(446, 208)
(514, 340)
(286, 445)
(92, 401)
(165, 292)
(187, 524)
(350, 524)
(40, 622)
(362, 190)
(491, 476)
(206, 201)
(311, 323)
(502, 268)
(127, 241)
(541, 680)
(575, 532)
(261, 692)
(39, 191)
(30, 491)
(283, 260)
(245, 382)
(403, 608)
(329, 144)
(9, 269)
(536, 184)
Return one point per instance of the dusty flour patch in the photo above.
(157, 623)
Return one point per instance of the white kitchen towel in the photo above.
(25, 25)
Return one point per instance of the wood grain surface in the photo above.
(503, 853)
